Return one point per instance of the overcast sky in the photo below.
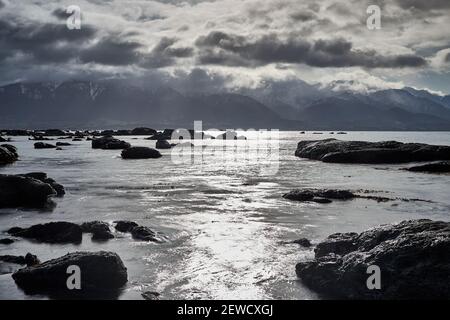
(232, 42)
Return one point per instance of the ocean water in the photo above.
(222, 212)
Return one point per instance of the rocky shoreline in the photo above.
(413, 256)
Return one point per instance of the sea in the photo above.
(228, 231)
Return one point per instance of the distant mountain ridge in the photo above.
(285, 105)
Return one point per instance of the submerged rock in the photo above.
(413, 257)
(43, 145)
(101, 272)
(319, 196)
(109, 143)
(6, 241)
(99, 229)
(8, 154)
(144, 234)
(163, 144)
(337, 151)
(435, 167)
(140, 153)
(52, 232)
(21, 191)
(303, 242)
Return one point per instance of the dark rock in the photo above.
(8, 154)
(321, 200)
(29, 259)
(6, 241)
(21, 191)
(319, 196)
(144, 234)
(53, 232)
(99, 229)
(165, 135)
(143, 132)
(100, 272)
(63, 144)
(435, 167)
(413, 257)
(337, 151)
(55, 132)
(108, 142)
(42, 145)
(303, 242)
(39, 138)
(140, 153)
(125, 226)
(163, 144)
(149, 295)
(42, 176)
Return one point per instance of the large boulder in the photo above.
(109, 143)
(163, 144)
(337, 151)
(413, 257)
(140, 153)
(435, 167)
(52, 232)
(101, 272)
(8, 154)
(143, 132)
(22, 191)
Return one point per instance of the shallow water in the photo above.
(223, 215)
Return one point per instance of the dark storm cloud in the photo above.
(2, 5)
(424, 4)
(164, 54)
(112, 51)
(43, 42)
(447, 58)
(232, 50)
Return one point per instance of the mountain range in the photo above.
(293, 105)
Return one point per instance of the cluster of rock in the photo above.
(137, 232)
(413, 258)
(8, 154)
(32, 190)
(62, 232)
(337, 151)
